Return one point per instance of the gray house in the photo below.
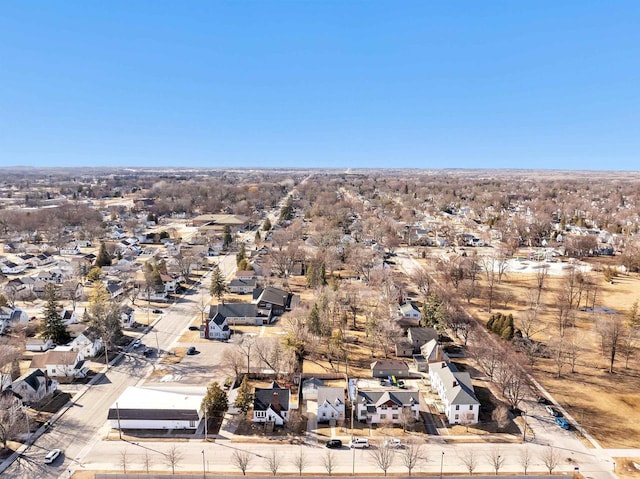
(390, 367)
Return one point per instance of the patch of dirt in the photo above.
(175, 358)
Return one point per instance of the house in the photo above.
(34, 386)
(461, 406)
(242, 314)
(44, 259)
(171, 283)
(70, 249)
(330, 404)
(127, 317)
(39, 344)
(408, 311)
(215, 327)
(242, 286)
(434, 352)
(157, 409)
(11, 317)
(390, 367)
(274, 299)
(9, 267)
(114, 289)
(404, 348)
(310, 388)
(88, 343)
(420, 337)
(58, 363)
(271, 405)
(397, 407)
(69, 317)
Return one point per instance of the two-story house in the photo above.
(456, 393)
(271, 405)
(34, 386)
(397, 407)
(61, 364)
(275, 300)
(216, 327)
(330, 403)
(88, 343)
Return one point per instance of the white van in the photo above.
(359, 442)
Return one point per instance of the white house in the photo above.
(127, 317)
(9, 267)
(241, 314)
(409, 311)
(242, 286)
(159, 409)
(330, 404)
(271, 405)
(456, 393)
(310, 388)
(39, 344)
(58, 363)
(70, 249)
(69, 317)
(215, 328)
(395, 407)
(88, 343)
(34, 386)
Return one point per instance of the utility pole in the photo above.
(441, 463)
(119, 427)
(524, 429)
(204, 470)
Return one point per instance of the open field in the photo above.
(605, 404)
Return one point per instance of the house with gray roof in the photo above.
(381, 406)
(34, 386)
(420, 337)
(271, 405)
(330, 403)
(216, 327)
(242, 285)
(461, 406)
(274, 299)
(241, 314)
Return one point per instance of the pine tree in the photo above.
(54, 327)
(215, 402)
(313, 321)
(266, 226)
(218, 285)
(104, 258)
(244, 399)
(227, 239)
(241, 254)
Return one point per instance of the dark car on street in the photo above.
(334, 444)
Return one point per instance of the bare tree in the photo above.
(12, 419)
(242, 460)
(525, 458)
(501, 416)
(383, 457)
(146, 460)
(246, 346)
(300, 461)
(496, 459)
(551, 458)
(541, 276)
(412, 455)
(329, 462)
(173, 458)
(529, 322)
(273, 462)
(490, 267)
(470, 460)
(124, 460)
(610, 329)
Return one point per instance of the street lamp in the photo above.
(524, 429)
(203, 467)
(441, 462)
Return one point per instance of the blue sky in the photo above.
(451, 84)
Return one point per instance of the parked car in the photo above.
(194, 328)
(52, 455)
(333, 444)
(359, 443)
(157, 311)
(562, 422)
(542, 400)
(553, 411)
(148, 351)
(191, 351)
(137, 343)
(392, 442)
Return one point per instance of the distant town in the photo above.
(318, 322)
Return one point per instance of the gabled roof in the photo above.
(239, 282)
(389, 364)
(35, 379)
(66, 358)
(91, 333)
(235, 310)
(422, 335)
(457, 385)
(332, 395)
(407, 307)
(271, 295)
(378, 398)
(264, 399)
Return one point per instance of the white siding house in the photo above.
(456, 393)
(330, 404)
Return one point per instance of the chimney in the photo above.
(276, 402)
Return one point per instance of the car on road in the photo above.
(393, 443)
(148, 351)
(553, 411)
(191, 351)
(52, 455)
(157, 311)
(542, 400)
(137, 343)
(562, 422)
(359, 443)
(333, 444)
(194, 328)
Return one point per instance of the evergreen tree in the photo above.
(104, 315)
(3, 301)
(218, 285)
(266, 226)
(257, 238)
(104, 258)
(313, 321)
(241, 254)
(215, 402)
(54, 327)
(244, 399)
(227, 239)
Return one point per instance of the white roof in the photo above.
(148, 398)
